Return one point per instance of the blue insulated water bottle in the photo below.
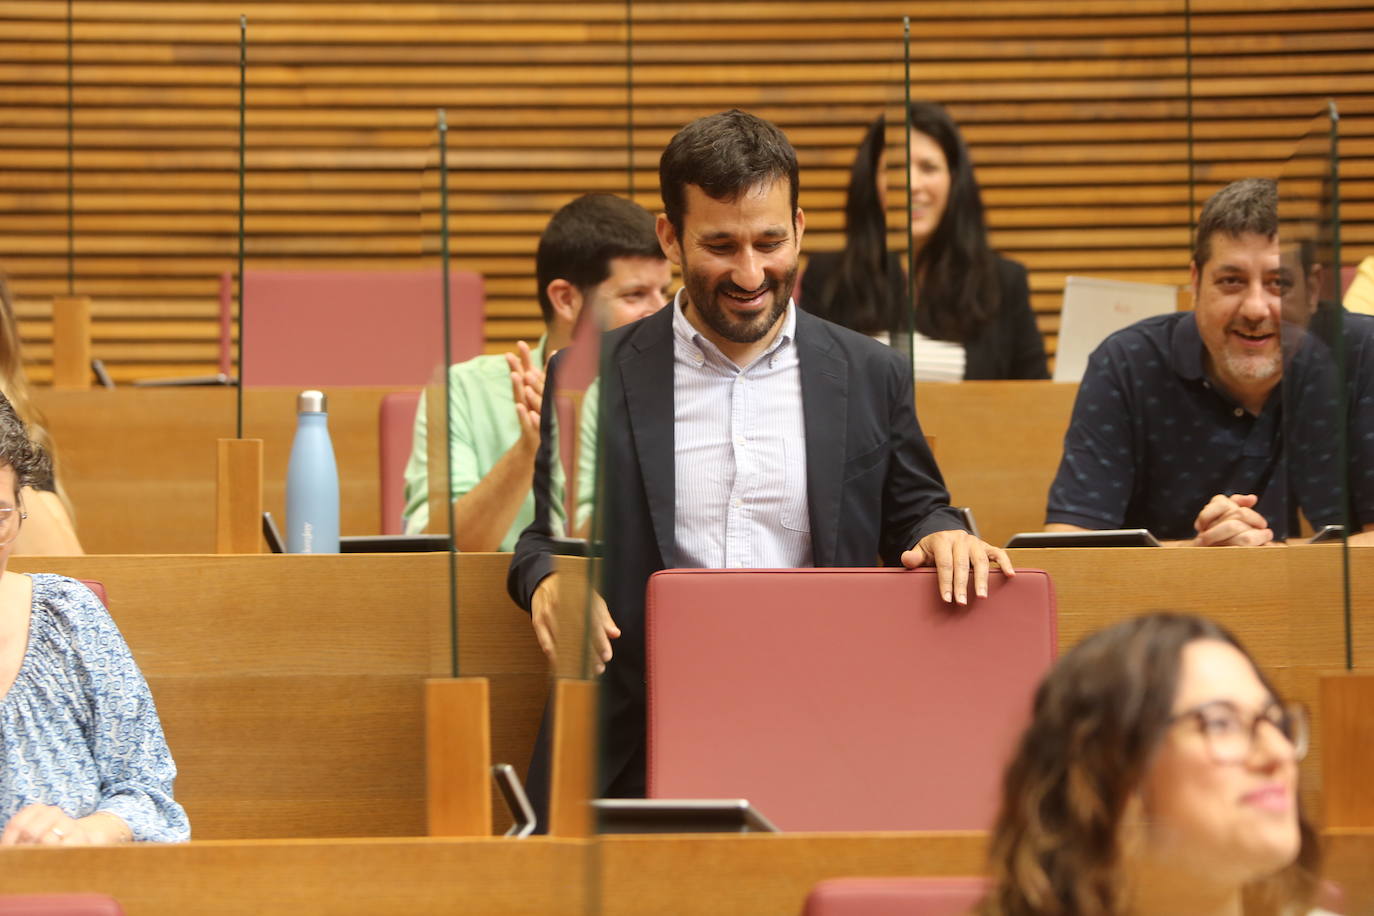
(312, 481)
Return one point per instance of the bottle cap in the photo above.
(311, 401)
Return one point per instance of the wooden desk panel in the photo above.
(1362, 604)
(755, 874)
(139, 463)
(351, 638)
(1284, 604)
(720, 875)
(290, 687)
(1350, 863)
(999, 447)
(337, 877)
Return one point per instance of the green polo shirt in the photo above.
(484, 427)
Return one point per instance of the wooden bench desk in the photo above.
(291, 688)
(139, 463)
(227, 641)
(999, 445)
(719, 875)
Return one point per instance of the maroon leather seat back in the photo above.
(395, 437)
(884, 896)
(841, 699)
(316, 328)
(99, 588)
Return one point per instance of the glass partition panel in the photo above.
(1325, 366)
(1320, 360)
(1081, 154)
(352, 308)
(440, 459)
(530, 206)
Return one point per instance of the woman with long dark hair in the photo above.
(972, 316)
(1159, 775)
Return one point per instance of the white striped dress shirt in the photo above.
(741, 453)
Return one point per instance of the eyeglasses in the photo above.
(11, 520)
(1230, 735)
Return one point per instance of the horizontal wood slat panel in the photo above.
(1076, 113)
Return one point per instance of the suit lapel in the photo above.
(825, 390)
(646, 372)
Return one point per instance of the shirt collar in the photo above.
(698, 346)
(1185, 350)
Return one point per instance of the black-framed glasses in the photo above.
(1230, 734)
(11, 520)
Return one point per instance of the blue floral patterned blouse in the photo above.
(79, 729)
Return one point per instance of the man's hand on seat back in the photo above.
(953, 553)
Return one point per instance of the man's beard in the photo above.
(1253, 367)
(706, 301)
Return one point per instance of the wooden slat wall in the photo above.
(1076, 113)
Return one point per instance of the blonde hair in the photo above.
(14, 386)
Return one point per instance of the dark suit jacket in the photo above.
(1008, 347)
(873, 489)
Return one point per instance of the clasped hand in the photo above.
(1231, 521)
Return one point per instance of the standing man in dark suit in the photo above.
(740, 431)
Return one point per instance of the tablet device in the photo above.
(219, 378)
(1112, 537)
(393, 543)
(680, 815)
(1327, 533)
(521, 812)
(272, 534)
(102, 375)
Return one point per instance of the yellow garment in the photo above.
(1360, 296)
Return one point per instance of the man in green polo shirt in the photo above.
(599, 251)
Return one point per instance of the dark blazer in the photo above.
(873, 489)
(1008, 347)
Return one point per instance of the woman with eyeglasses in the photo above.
(1159, 775)
(84, 758)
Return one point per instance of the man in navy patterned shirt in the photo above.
(1179, 425)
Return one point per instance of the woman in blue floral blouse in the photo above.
(85, 761)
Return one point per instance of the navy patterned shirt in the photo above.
(1152, 439)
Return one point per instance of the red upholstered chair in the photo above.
(841, 699)
(59, 905)
(99, 589)
(885, 896)
(316, 328)
(395, 436)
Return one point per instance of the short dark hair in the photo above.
(30, 462)
(584, 236)
(1246, 207)
(726, 155)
